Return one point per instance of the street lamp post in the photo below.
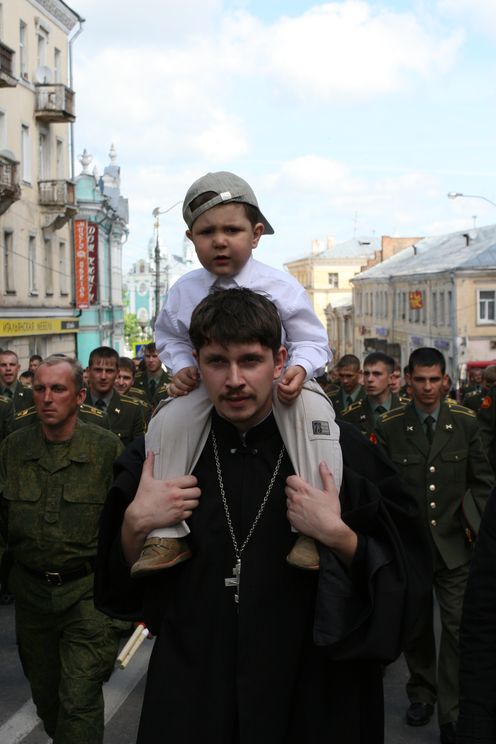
(456, 194)
(156, 212)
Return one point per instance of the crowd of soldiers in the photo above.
(443, 450)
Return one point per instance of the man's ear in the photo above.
(81, 396)
(189, 235)
(279, 361)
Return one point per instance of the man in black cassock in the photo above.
(269, 653)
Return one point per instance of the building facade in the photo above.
(440, 292)
(37, 193)
(100, 230)
(327, 275)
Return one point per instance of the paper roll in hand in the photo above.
(132, 645)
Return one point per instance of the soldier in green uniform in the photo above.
(10, 386)
(154, 378)
(436, 446)
(350, 389)
(124, 384)
(125, 414)
(474, 398)
(377, 374)
(54, 478)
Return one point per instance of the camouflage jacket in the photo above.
(51, 497)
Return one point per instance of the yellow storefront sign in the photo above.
(37, 326)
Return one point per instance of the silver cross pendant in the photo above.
(235, 579)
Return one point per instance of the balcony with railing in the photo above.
(7, 79)
(10, 190)
(58, 198)
(57, 193)
(55, 102)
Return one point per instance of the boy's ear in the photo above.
(258, 231)
(189, 235)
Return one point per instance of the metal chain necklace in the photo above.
(235, 580)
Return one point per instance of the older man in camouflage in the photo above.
(54, 477)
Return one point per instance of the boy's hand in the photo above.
(290, 386)
(184, 381)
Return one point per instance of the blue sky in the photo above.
(345, 117)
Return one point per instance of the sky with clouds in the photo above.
(347, 118)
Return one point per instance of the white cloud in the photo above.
(477, 14)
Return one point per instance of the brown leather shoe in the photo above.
(160, 553)
(304, 554)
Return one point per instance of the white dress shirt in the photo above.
(303, 334)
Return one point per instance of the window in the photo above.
(57, 62)
(23, 51)
(442, 309)
(48, 267)
(63, 271)
(59, 159)
(434, 308)
(486, 304)
(3, 130)
(32, 275)
(25, 153)
(44, 156)
(41, 48)
(333, 280)
(8, 262)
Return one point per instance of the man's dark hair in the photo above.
(103, 352)
(426, 356)
(151, 347)
(127, 363)
(251, 213)
(35, 358)
(235, 316)
(349, 360)
(378, 357)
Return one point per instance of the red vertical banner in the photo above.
(92, 243)
(81, 262)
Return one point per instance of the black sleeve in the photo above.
(367, 612)
(477, 721)
(115, 593)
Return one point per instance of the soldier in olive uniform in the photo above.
(436, 446)
(10, 387)
(124, 385)
(54, 478)
(377, 373)
(474, 398)
(125, 414)
(154, 378)
(350, 389)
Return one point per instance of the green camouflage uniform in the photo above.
(438, 476)
(51, 498)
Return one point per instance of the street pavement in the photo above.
(124, 691)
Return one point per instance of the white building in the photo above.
(37, 195)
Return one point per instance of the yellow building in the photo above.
(37, 195)
(327, 274)
(440, 292)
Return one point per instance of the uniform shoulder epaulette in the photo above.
(472, 394)
(86, 408)
(24, 412)
(458, 408)
(353, 406)
(392, 414)
(163, 388)
(136, 392)
(5, 399)
(404, 400)
(128, 399)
